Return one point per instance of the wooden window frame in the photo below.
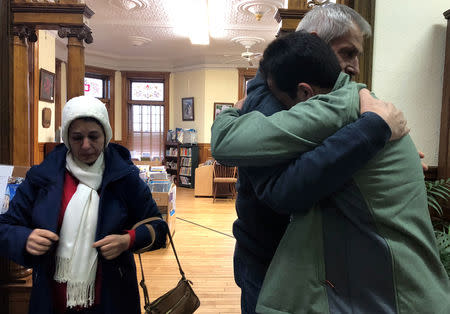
(58, 100)
(127, 77)
(244, 75)
(106, 75)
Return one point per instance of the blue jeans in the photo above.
(249, 278)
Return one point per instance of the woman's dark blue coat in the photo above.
(124, 200)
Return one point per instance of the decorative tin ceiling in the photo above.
(153, 34)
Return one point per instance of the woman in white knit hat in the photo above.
(72, 217)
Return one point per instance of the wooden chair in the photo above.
(224, 175)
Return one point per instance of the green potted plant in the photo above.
(438, 193)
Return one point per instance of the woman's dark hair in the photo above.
(299, 57)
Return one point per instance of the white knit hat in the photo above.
(82, 107)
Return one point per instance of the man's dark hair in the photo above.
(299, 57)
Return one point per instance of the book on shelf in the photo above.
(186, 171)
(185, 180)
(171, 152)
(186, 161)
(185, 151)
(171, 165)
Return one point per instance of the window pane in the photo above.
(93, 87)
(147, 138)
(147, 91)
(136, 118)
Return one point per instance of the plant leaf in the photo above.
(443, 188)
(439, 194)
(435, 205)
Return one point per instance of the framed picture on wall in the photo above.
(46, 85)
(187, 107)
(221, 106)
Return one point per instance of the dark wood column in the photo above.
(366, 8)
(5, 119)
(75, 67)
(290, 17)
(21, 110)
(444, 141)
(75, 58)
(5, 85)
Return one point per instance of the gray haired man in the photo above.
(261, 224)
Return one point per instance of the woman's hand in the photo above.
(40, 241)
(113, 245)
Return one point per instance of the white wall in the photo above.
(408, 65)
(188, 84)
(206, 86)
(46, 61)
(63, 84)
(221, 85)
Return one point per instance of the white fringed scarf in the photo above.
(76, 259)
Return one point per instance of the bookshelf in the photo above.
(188, 161)
(171, 160)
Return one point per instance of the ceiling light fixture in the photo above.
(130, 5)
(216, 16)
(198, 24)
(139, 40)
(197, 19)
(259, 8)
(247, 41)
(189, 19)
(313, 3)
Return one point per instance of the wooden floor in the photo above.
(206, 255)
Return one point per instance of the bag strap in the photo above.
(171, 243)
(144, 288)
(142, 283)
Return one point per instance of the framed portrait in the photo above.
(187, 107)
(46, 85)
(221, 106)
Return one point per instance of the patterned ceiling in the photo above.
(152, 34)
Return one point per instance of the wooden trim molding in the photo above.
(126, 77)
(109, 75)
(444, 150)
(204, 152)
(58, 103)
(6, 78)
(34, 103)
(118, 142)
(289, 19)
(48, 7)
(100, 71)
(125, 93)
(431, 174)
(41, 154)
(244, 74)
(366, 8)
(166, 108)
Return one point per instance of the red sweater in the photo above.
(60, 289)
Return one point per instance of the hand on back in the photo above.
(387, 111)
(239, 103)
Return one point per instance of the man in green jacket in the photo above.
(370, 247)
(260, 223)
